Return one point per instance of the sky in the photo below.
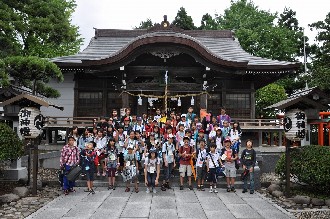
(127, 14)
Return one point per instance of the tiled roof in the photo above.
(220, 44)
(298, 96)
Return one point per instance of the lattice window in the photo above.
(238, 105)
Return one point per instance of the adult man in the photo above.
(69, 158)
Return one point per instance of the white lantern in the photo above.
(192, 101)
(30, 122)
(179, 102)
(295, 123)
(140, 101)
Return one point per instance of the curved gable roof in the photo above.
(219, 47)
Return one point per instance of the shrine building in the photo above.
(208, 66)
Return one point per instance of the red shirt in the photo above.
(69, 155)
(185, 160)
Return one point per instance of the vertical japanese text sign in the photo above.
(295, 122)
(30, 122)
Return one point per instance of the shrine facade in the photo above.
(119, 65)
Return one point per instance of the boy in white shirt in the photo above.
(201, 165)
(213, 161)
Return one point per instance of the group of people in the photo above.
(134, 147)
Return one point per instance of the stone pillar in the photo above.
(15, 171)
(257, 184)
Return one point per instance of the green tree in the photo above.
(145, 24)
(11, 147)
(4, 79)
(320, 69)
(183, 21)
(38, 28)
(267, 96)
(208, 23)
(257, 32)
(34, 73)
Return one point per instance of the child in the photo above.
(248, 158)
(168, 151)
(185, 153)
(111, 162)
(201, 165)
(131, 164)
(89, 156)
(151, 170)
(213, 160)
(229, 155)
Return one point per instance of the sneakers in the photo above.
(251, 192)
(163, 187)
(233, 189)
(199, 188)
(167, 185)
(154, 190)
(92, 191)
(110, 187)
(127, 189)
(228, 189)
(72, 190)
(215, 190)
(244, 191)
(148, 190)
(104, 174)
(191, 188)
(98, 174)
(211, 190)
(181, 187)
(66, 192)
(202, 188)
(116, 173)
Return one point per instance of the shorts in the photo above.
(201, 172)
(90, 173)
(185, 168)
(230, 171)
(111, 172)
(121, 159)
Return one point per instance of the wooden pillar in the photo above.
(260, 137)
(280, 143)
(203, 101)
(253, 102)
(271, 138)
(125, 100)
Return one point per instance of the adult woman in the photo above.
(69, 158)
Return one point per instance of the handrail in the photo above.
(57, 121)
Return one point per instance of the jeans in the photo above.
(66, 183)
(151, 177)
(168, 171)
(251, 180)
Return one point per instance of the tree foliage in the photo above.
(208, 23)
(267, 96)
(183, 21)
(145, 24)
(320, 69)
(34, 73)
(38, 28)
(4, 79)
(11, 147)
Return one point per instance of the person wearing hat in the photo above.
(229, 156)
(139, 127)
(184, 121)
(151, 170)
(69, 158)
(186, 153)
(131, 163)
(168, 151)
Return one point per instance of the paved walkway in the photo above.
(170, 204)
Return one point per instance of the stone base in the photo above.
(15, 174)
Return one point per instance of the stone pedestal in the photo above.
(15, 171)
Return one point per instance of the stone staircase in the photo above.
(102, 181)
